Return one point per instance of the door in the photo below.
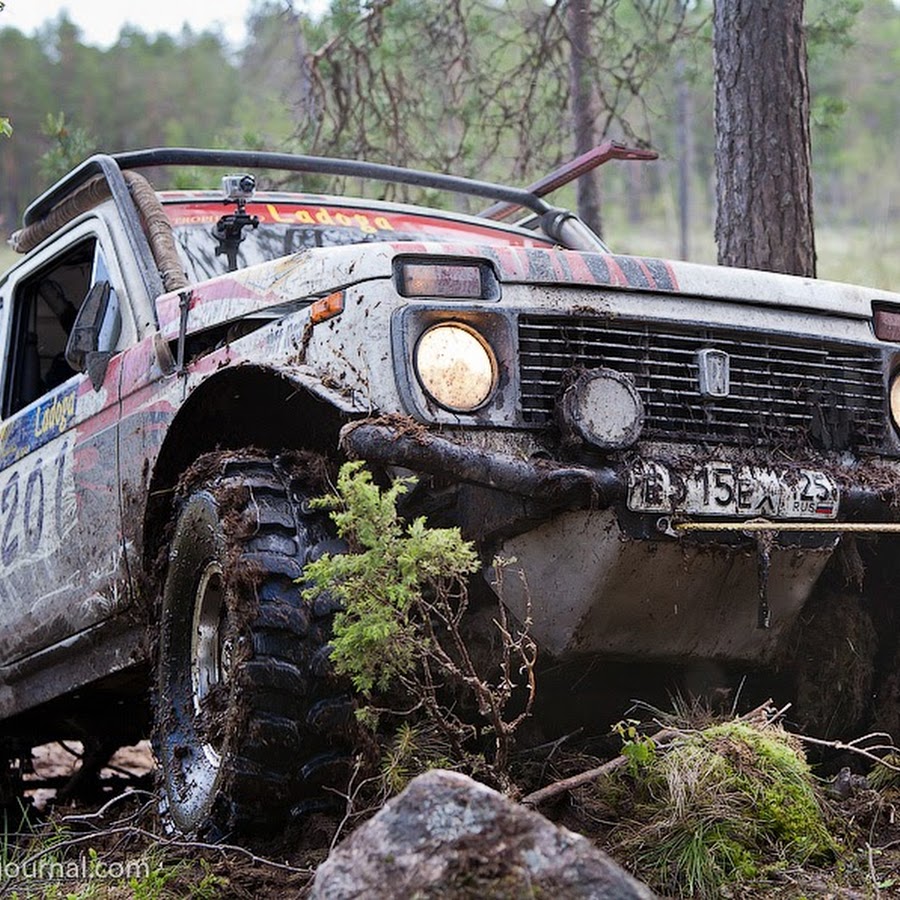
(62, 567)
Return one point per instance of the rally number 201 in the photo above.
(23, 507)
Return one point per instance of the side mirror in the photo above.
(83, 352)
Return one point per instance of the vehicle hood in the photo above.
(647, 274)
(303, 275)
(319, 271)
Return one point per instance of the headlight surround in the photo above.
(895, 399)
(455, 366)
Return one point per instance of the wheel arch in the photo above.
(243, 406)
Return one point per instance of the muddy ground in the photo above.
(125, 825)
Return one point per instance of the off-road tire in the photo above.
(250, 721)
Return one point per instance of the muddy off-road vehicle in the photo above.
(694, 466)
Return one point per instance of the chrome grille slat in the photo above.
(776, 381)
(688, 374)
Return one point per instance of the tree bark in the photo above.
(685, 144)
(578, 22)
(764, 213)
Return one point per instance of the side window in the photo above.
(44, 309)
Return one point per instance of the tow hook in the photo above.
(764, 540)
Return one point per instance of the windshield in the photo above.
(289, 227)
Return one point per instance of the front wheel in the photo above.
(249, 720)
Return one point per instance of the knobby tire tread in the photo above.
(279, 682)
(294, 733)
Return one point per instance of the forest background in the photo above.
(484, 88)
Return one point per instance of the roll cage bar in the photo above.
(558, 224)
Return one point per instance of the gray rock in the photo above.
(447, 837)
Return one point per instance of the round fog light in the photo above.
(456, 366)
(895, 399)
(604, 408)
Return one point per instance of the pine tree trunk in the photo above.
(578, 15)
(685, 144)
(764, 216)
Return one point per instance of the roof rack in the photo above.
(507, 199)
(560, 225)
(111, 165)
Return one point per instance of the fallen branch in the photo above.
(660, 738)
(764, 712)
(88, 818)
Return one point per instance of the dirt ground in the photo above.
(60, 760)
(127, 825)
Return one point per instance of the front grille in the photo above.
(783, 389)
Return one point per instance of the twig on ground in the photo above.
(354, 789)
(764, 712)
(873, 875)
(100, 813)
(660, 738)
(550, 746)
(852, 746)
(223, 848)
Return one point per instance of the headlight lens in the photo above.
(895, 399)
(456, 366)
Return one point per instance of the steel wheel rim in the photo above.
(210, 645)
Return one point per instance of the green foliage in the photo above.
(637, 748)
(181, 879)
(400, 635)
(413, 750)
(381, 583)
(830, 24)
(715, 806)
(826, 112)
(70, 146)
(887, 775)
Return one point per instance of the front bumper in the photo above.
(411, 446)
(873, 500)
(599, 580)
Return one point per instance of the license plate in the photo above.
(726, 489)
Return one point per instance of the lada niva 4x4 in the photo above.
(693, 466)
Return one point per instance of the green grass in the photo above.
(727, 805)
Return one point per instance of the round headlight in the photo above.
(456, 366)
(895, 399)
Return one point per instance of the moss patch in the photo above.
(728, 804)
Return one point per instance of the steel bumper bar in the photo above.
(413, 447)
(417, 449)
